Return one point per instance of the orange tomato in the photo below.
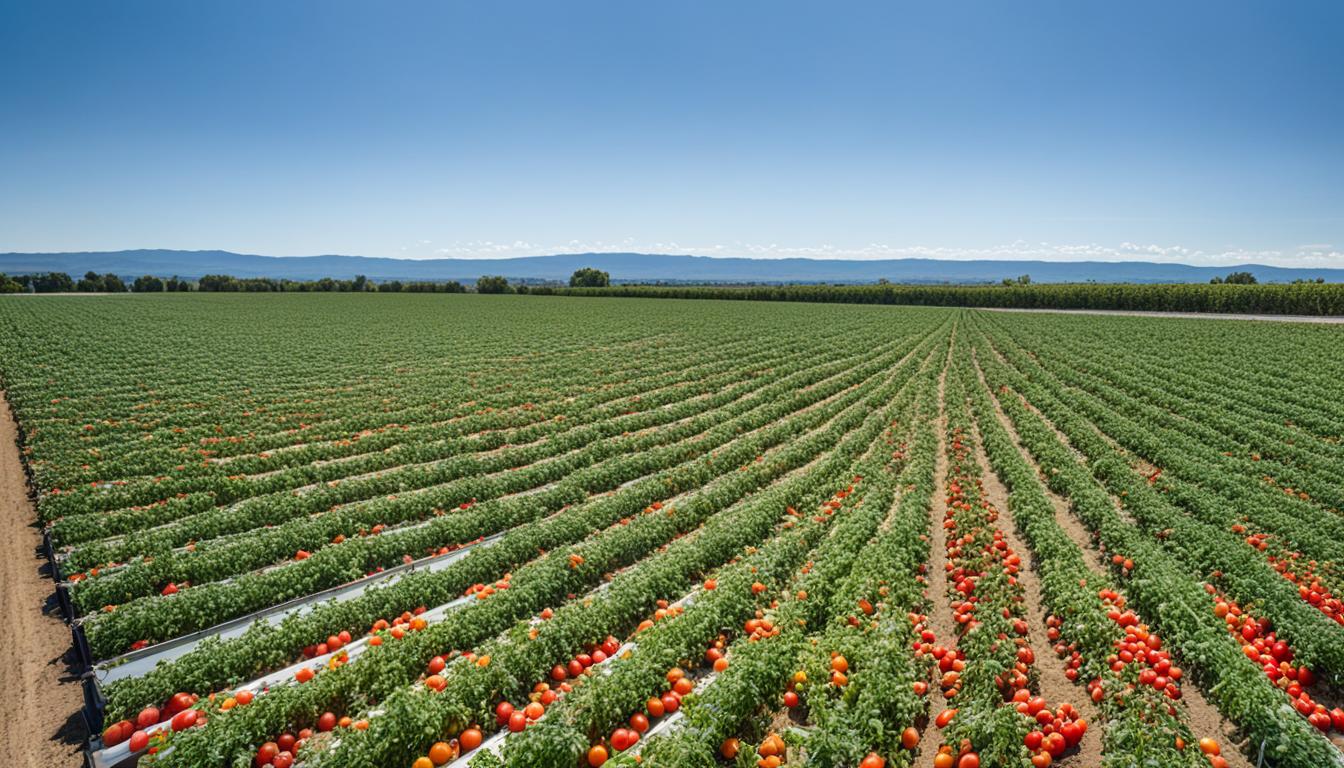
(440, 753)
(910, 738)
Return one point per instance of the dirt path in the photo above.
(1328, 319)
(40, 723)
(940, 610)
(1053, 685)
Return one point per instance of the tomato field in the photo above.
(353, 531)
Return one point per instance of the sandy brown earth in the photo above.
(40, 723)
(940, 610)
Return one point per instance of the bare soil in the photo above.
(40, 724)
(940, 611)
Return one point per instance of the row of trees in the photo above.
(60, 282)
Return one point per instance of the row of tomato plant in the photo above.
(1201, 547)
(266, 646)
(164, 617)
(228, 556)
(1156, 581)
(535, 585)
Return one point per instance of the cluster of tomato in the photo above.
(1262, 646)
(1058, 731)
(282, 752)
(179, 713)
(545, 694)
(1291, 565)
(484, 591)
(961, 757)
(664, 611)
(772, 751)
(408, 621)
(679, 685)
(332, 644)
(444, 752)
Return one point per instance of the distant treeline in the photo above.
(60, 282)
(1276, 298)
(1238, 293)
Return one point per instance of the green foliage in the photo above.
(1276, 299)
(493, 284)
(147, 284)
(588, 277)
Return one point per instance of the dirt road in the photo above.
(40, 723)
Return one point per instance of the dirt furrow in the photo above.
(940, 611)
(40, 723)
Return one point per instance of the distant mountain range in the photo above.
(635, 267)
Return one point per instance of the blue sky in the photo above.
(1206, 132)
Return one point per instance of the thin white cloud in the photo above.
(1317, 255)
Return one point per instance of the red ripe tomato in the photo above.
(790, 699)
(117, 732)
(575, 668)
(185, 719)
(1033, 740)
(597, 755)
(147, 717)
(517, 721)
(503, 711)
(436, 665)
(534, 710)
(286, 742)
(599, 656)
(326, 722)
(1054, 744)
(558, 673)
(179, 702)
(1072, 734)
(873, 760)
(639, 722)
(266, 753)
(610, 646)
(655, 708)
(283, 760)
(622, 739)
(671, 703)
(969, 760)
(139, 740)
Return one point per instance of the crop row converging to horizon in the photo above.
(569, 532)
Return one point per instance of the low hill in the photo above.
(635, 267)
